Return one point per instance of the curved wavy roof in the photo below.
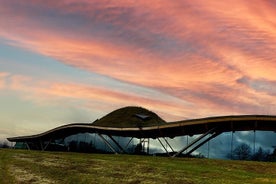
(141, 123)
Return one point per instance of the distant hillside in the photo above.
(129, 117)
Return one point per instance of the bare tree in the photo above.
(242, 152)
(261, 155)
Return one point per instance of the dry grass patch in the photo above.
(57, 167)
(24, 176)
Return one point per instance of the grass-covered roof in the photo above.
(129, 117)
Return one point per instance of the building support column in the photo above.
(28, 147)
(41, 145)
(45, 147)
(208, 139)
(117, 144)
(194, 142)
(168, 144)
(107, 143)
(129, 143)
(164, 147)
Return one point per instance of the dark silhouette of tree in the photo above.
(242, 152)
(138, 149)
(261, 155)
(272, 156)
(274, 151)
(85, 147)
(73, 146)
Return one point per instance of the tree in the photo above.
(274, 151)
(261, 155)
(73, 146)
(242, 152)
(85, 147)
(272, 156)
(138, 149)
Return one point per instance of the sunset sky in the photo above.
(76, 60)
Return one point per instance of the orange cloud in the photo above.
(66, 94)
(3, 76)
(194, 51)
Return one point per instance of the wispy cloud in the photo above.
(3, 76)
(197, 52)
(43, 92)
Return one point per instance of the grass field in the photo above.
(19, 166)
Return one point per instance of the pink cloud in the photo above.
(43, 92)
(3, 82)
(195, 51)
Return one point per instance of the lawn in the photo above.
(22, 166)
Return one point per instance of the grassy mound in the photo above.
(129, 117)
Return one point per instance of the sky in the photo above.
(73, 61)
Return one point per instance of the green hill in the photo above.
(19, 166)
(129, 117)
